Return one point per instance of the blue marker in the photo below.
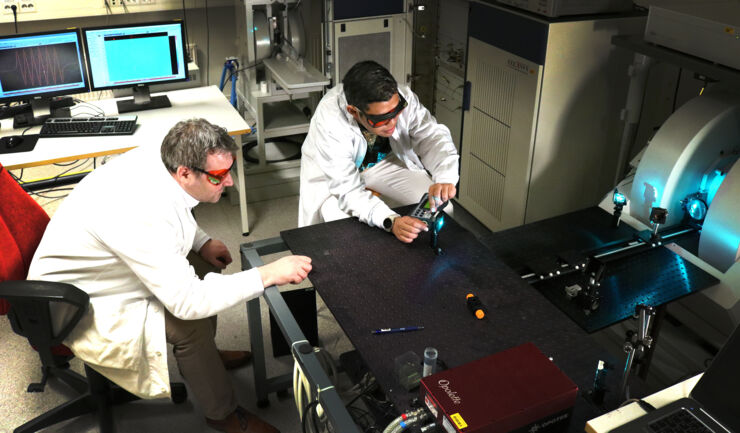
(393, 330)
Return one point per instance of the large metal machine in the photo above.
(690, 168)
(279, 84)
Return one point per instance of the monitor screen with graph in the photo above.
(136, 55)
(41, 65)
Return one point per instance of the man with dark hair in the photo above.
(123, 236)
(370, 137)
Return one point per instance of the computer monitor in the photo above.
(35, 67)
(136, 55)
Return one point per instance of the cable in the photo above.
(125, 8)
(70, 169)
(185, 28)
(84, 104)
(370, 386)
(313, 414)
(67, 164)
(52, 190)
(108, 10)
(305, 410)
(208, 46)
(242, 69)
(29, 192)
(14, 8)
(675, 93)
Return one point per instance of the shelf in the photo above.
(283, 118)
(686, 61)
(251, 168)
(294, 77)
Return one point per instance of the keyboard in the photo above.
(88, 126)
(679, 422)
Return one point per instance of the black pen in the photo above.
(392, 330)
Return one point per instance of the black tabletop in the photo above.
(653, 277)
(370, 280)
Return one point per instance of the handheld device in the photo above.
(423, 210)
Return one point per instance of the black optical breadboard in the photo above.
(653, 277)
(370, 280)
(584, 230)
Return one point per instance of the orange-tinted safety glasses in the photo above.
(216, 176)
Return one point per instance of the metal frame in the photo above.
(302, 351)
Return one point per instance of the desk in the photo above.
(625, 414)
(206, 102)
(370, 280)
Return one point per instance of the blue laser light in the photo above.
(618, 198)
(440, 223)
(714, 184)
(696, 208)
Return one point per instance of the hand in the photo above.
(215, 253)
(407, 228)
(291, 269)
(440, 193)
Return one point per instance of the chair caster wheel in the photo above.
(179, 393)
(35, 387)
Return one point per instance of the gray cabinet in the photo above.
(541, 131)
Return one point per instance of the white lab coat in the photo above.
(122, 236)
(335, 146)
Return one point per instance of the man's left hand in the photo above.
(215, 253)
(440, 193)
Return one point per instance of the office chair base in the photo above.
(101, 396)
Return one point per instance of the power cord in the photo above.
(306, 411)
(185, 28)
(675, 92)
(236, 71)
(14, 8)
(208, 45)
(83, 104)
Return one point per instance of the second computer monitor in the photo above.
(136, 55)
(36, 67)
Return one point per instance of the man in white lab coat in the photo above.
(372, 146)
(122, 236)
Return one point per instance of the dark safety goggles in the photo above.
(378, 120)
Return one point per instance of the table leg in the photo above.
(254, 318)
(242, 187)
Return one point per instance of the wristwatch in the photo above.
(388, 222)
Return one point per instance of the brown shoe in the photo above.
(241, 421)
(235, 358)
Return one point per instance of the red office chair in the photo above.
(22, 223)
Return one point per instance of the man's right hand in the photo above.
(291, 269)
(407, 228)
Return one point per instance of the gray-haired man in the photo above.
(123, 236)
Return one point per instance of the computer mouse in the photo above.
(13, 141)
